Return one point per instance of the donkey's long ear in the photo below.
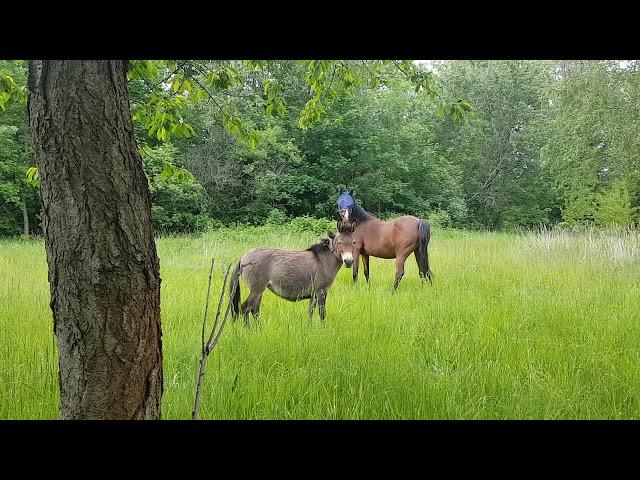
(331, 235)
(347, 227)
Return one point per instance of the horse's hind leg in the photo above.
(421, 264)
(399, 270)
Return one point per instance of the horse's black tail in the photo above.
(424, 234)
(234, 292)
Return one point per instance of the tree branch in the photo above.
(171, 74)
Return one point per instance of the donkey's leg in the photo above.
(257, 285)
(312, 304)
(322, 299)
(253, 302)
(244, 310)
(365, 264)
(256, 308)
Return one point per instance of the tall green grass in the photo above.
(528, 326)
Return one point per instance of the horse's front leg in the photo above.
(355, 265)
(365, 264)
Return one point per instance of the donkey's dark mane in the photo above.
(317, 248)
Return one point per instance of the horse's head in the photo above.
(345, 205)
(343, 246)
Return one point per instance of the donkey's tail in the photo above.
(234, 291)
(424, 234)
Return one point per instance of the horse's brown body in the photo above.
(396, 238)
(387, 239)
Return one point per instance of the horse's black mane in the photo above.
(359, 214)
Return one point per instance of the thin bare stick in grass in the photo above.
(206, 305)
(213, 337)
(194, 413)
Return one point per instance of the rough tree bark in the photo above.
(103, 267)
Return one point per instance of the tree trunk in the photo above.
(103, 267)
(25, 216)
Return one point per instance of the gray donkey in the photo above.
(294, 275)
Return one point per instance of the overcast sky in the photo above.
(429, 63)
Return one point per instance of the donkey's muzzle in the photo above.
(347, 262)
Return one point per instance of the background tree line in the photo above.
(552, 142)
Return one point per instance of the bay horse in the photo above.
(395, 238)
(293, 275)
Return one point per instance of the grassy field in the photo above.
(543, 326)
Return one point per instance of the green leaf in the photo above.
(33, 178)
(466, 106)
(4, 96)
(168, 171)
